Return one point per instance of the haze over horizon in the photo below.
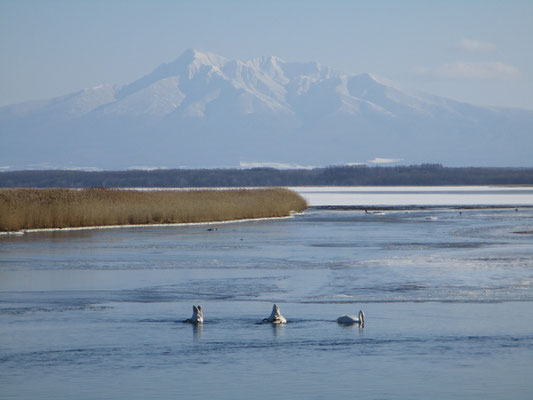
(476, 51)
(206, 110)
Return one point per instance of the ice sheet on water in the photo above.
(416, 195)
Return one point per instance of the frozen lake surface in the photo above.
(417, 195)
(447, 293)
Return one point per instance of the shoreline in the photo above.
(177, 224)
(420, 207)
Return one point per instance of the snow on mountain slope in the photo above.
(206, 110)
(69, 106)
(159, 99)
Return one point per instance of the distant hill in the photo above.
(428, 174)
(203, 110)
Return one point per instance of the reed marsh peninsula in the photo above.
(71, 208)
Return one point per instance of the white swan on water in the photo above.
(352, 319)
(276, 317)
(197, 315)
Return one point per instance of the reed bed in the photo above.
(68, 208)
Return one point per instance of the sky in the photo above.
(478, 52)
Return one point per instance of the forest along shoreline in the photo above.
(27, 209)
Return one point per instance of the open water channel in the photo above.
(447, 293)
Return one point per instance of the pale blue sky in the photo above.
(474, 51)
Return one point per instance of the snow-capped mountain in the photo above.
(203, 110)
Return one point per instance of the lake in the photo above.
(447, 293)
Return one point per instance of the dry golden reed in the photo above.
(67, 208)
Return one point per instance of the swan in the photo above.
(197, 315)
(352, 319)
(276, 317)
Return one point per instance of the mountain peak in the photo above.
(197, 57)
(368, 79)
(264, 108)
(270, 60)
(187, 65)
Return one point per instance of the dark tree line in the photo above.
(424, 174)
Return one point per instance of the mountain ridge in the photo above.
(205, 110)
